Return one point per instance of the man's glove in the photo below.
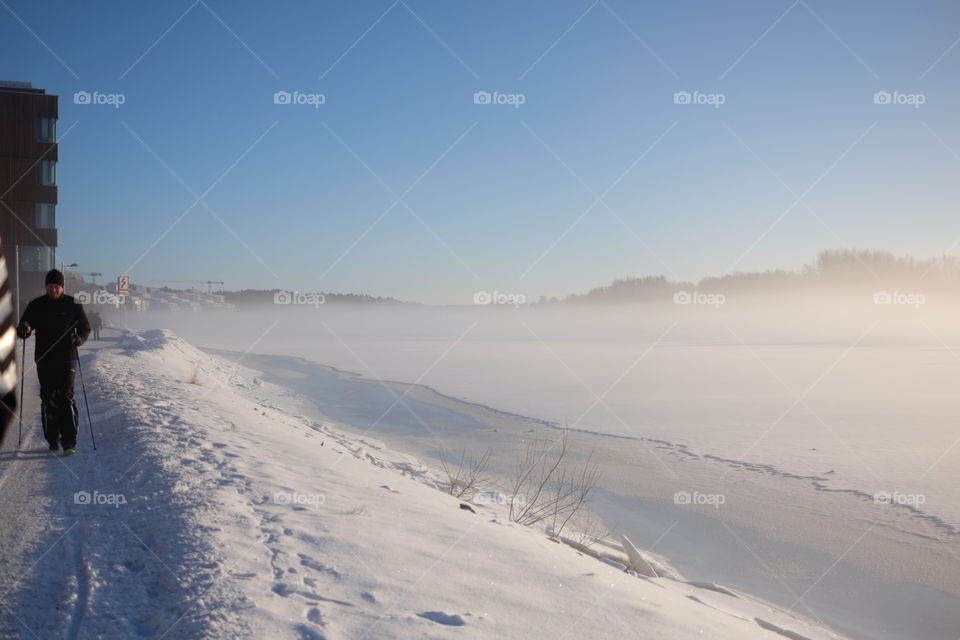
(75, 339)
(24, 331)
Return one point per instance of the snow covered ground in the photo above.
(718, 542)
(214, 509)
(830, 429)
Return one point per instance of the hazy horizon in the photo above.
(834, 272)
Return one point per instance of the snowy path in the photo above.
(31, 521)
(85, 569)
(212, 510)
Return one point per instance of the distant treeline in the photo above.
(251, 297)
(834, 271)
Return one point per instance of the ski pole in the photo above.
(23, 370)
(86, 403)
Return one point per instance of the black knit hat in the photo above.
(54, 276)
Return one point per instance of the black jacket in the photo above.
(54, 321)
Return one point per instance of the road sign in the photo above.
(123, 285)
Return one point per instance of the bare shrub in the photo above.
(469, 477)
(545, 487)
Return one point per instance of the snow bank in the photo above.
(245, 519)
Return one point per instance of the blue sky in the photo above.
(501, 195)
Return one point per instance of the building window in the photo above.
(34, 258)
(46, 129)
(46, 216)
(48, 173)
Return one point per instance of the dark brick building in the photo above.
(28, 179)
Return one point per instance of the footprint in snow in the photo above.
(310, 563)
(286, 590)
(306, 633)
(450, 620)
(313, 615)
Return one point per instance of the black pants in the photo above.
(57, 407)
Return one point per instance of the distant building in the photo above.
(28, 184)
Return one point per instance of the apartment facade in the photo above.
(28, 185)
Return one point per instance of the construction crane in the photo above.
(209, 283)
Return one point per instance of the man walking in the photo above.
(61, 327)
(96, 322)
